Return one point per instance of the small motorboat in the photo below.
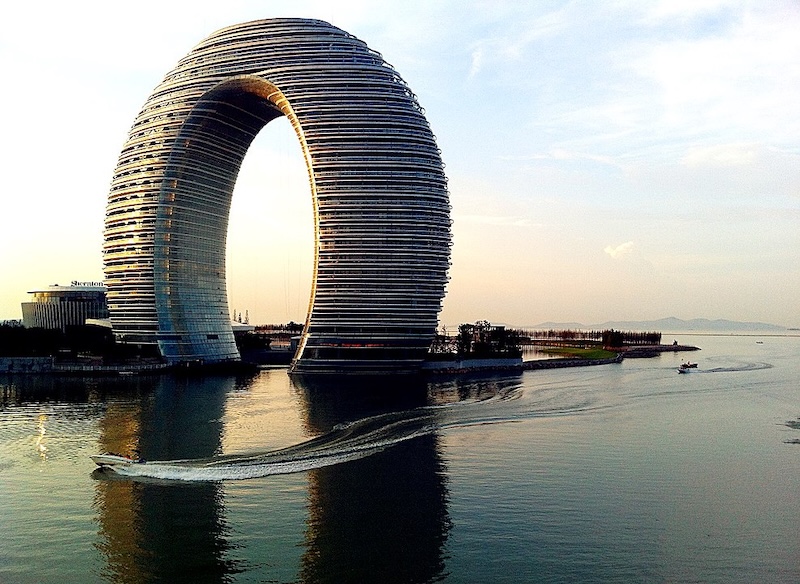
(684, 368)
(113, 460)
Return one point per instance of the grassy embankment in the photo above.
(593, 353)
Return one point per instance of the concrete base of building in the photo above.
(466, 365)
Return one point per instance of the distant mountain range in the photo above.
(671, 324)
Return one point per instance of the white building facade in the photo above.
(59, 307)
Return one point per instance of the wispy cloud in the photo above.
(529, 32)
(688, 74)
(495, 50)
(684, 9)
(563, 154)
(738, 80)
(620, 251)
(477, 62)
(721, 155)
(497, 220)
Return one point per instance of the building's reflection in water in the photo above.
(156, 531)
(382, 518)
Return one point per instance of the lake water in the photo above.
(615, 473)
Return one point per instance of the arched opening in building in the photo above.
(270, 245)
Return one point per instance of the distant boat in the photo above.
(684, 368)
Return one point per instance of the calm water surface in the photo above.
(618, 473)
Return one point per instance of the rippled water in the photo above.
(618, 473)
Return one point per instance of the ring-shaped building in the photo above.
(380, 200)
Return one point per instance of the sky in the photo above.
(619, 160)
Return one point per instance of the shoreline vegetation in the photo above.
(483, 347)
(579, 352)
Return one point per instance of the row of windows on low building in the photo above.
(59, 307)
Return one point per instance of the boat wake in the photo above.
(355, 440)
(342, 444)
(737, 367)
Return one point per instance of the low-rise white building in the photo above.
(57, 307)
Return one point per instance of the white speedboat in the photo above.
(113, 460)
(684, 368)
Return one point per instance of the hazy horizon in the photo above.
(606, 161)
